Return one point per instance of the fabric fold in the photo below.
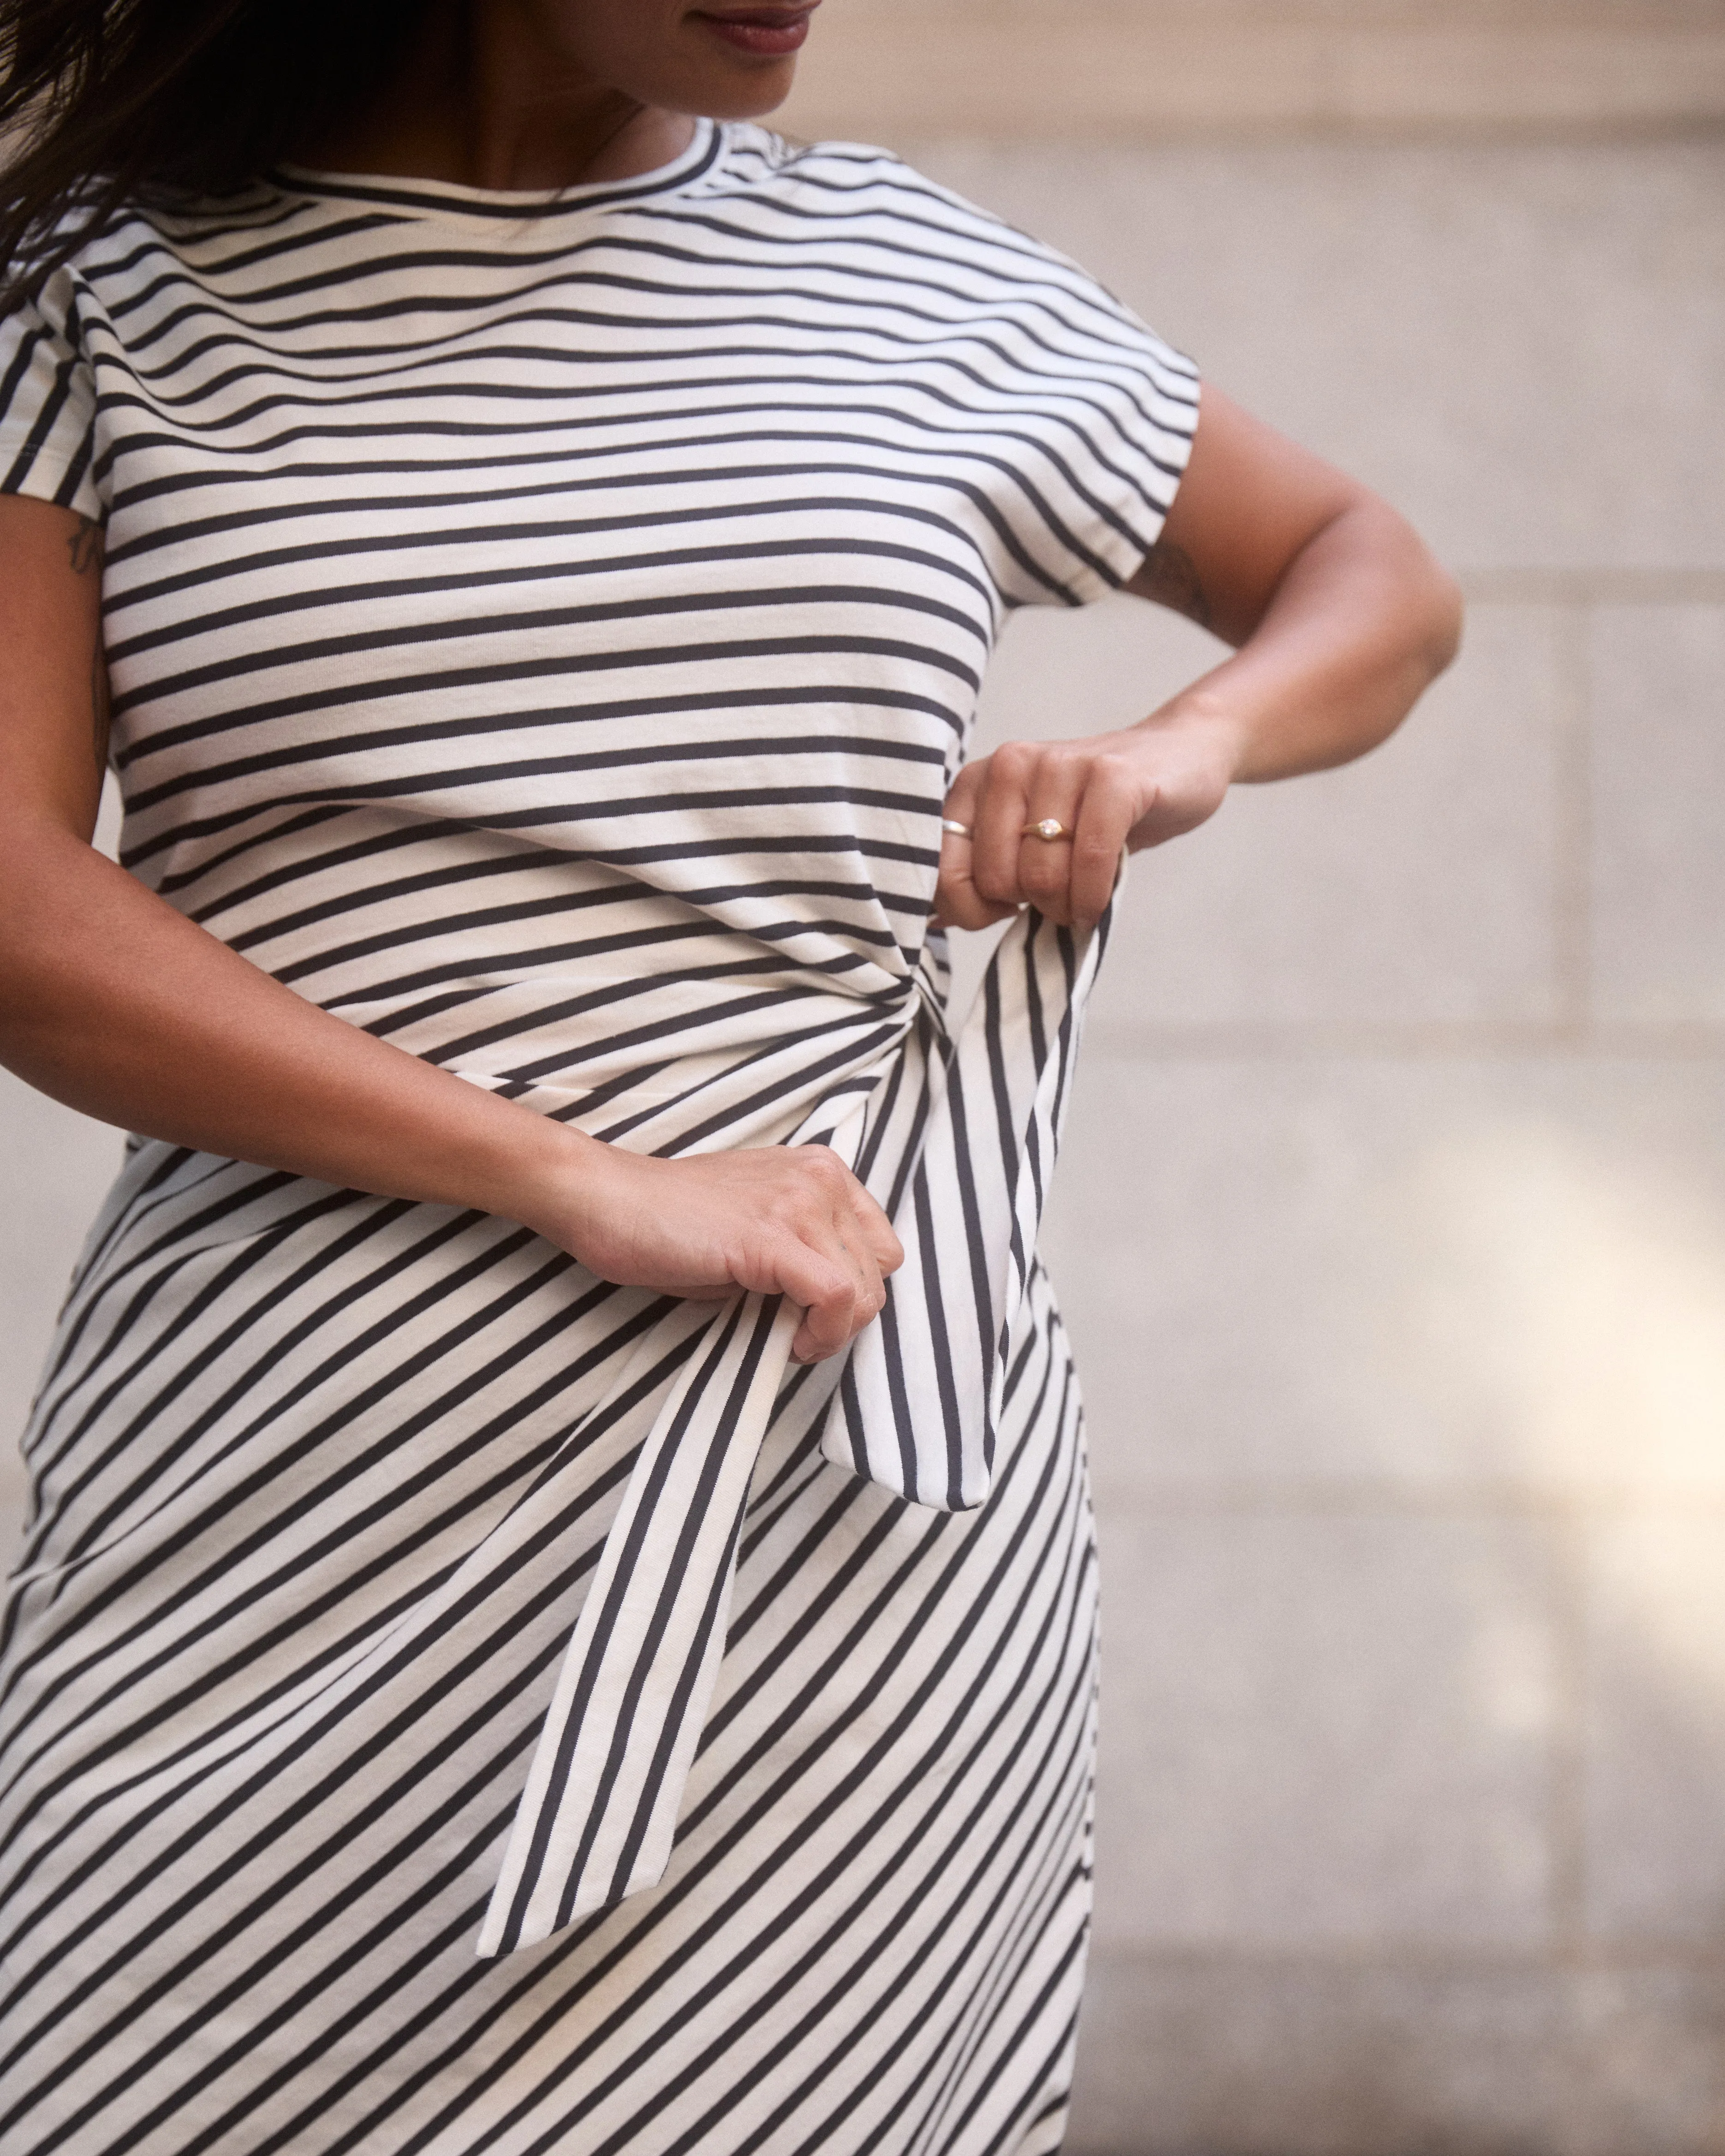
(958, 1139)
(918, 1406)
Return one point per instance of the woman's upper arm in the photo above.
(53, 702)
(1249, 501)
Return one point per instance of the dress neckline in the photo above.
(450, 200)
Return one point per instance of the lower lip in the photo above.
(761, 40)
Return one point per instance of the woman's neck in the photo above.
(482, 100)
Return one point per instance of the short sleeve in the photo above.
(1129, 406)
(1143, 398)
(48, 402)
(1101, 413)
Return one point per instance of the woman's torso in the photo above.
(543, 629)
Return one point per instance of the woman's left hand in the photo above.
(1112, 792)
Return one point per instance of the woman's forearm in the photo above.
(1335, 651)
(116, 1005)
(1361, 624)
(119, 1006)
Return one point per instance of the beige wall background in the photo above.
(1392, 1226)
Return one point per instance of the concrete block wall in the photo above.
(1391, 1225)
(1123, 70)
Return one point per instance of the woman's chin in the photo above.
(747, 59)
(748, 93)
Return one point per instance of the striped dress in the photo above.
(450, 1703)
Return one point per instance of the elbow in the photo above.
(1444, 613)
(1421, 599)
(1420, 626)
(1431, 617)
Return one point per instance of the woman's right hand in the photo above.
(789, 1220)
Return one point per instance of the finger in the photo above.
(843, 1241)
(830, 1190)
(825, 1289)
(877, 1231)
(1104, 820)
(966, 791)
(999, 821)
(858, 1219)
(957, 902)
(838, 1241)
(830, 1326)
(871, 1295)
(1057, 790)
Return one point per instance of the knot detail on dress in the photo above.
(957, 1139)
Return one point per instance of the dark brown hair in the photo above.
(108, 102)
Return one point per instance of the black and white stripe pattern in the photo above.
(921, 1402)
(542, 631)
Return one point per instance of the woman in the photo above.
(534, 536)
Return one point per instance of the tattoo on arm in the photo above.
(1169, 576)
(86, 546)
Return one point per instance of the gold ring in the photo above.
(957, 831)
(1048, 830)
